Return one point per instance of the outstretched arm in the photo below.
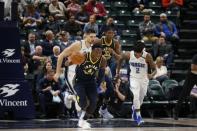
(124, 56)
(149, 60)
(67, 52)
(117, 52)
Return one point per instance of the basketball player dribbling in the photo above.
(85, 83)
(81, 46)
(139, 60)
(78, 46)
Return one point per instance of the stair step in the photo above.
(188, 30)
(187, 53)
(187, 44)
(188, 34)
(189, 24)
(178, 74)
(182, 64)
(190, 21)
(182, 60)
(191, 12)
(194, 4)
(188, 41)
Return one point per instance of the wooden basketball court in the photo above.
(157, 124)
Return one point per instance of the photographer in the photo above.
(116, 104)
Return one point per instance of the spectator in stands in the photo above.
(138, 3)
(93, 7)
(167, 29)
(47, 66)
(73, 28)
(190, 81)
(172, 3)
(161, 74)
(64, 40)
(57, 9)
(56, 52)
(8, 3)
(164, 49)
(48, 43)
(73, 8)
(38, 59)
(29, 46)
(43, 7)
(42, 1)
(116, 104)
(140, 6)
(31, 18)
(146, 29)
(52, 24)
(91, 25)
(21, 6)
(24, 61)
(82, 15)
(50, 92)
(110, 24)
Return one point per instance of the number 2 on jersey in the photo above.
(137, 70)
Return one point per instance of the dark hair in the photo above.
(96, 45)
(109, 28)
(139, 46)
(90, 31)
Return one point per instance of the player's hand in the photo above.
(48, 88)
(111, 51)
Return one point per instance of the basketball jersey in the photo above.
(88, 69)
(106, 47)
(84, 48)
(72, 68)
(138, 66)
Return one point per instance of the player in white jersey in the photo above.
(78, 46)
(139, 61)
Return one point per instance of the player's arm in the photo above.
(152, 65)
(101, 73)
(97, 41)
(117, 51)
(103, 63)
(124, 56)
(66, 52)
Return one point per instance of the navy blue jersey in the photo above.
(88, 69)
(106, 47)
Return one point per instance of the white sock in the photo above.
(82, 115)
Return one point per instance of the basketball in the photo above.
(77, 58)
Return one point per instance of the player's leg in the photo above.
(142, 94)
(143, 90)
(91, 91)
(103, 111)
(135, 89)
(81, 92)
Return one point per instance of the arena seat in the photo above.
(157, 92)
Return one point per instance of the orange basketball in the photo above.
(77, 58)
